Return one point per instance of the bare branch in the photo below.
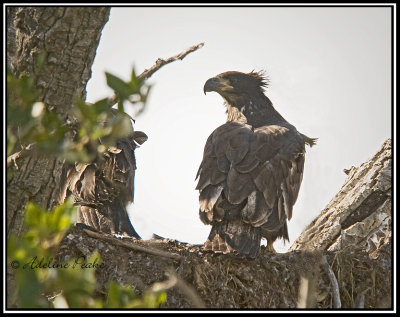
(147, 73)
(131, 245)
(19, 155)
(334, 283)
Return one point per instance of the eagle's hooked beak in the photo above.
(217, 84)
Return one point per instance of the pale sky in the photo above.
(330, 76)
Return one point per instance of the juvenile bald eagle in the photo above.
(103, 188)
(251, 170)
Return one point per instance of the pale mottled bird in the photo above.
(103, 188)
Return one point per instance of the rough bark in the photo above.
(11, 32)
(359, 216)
(69, 36)
(323, 269)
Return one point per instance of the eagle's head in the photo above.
(243, 94)
(233, 83)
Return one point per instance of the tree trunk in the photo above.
(69, 36)
(359, 216)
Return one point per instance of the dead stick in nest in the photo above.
(334, 283)
(186, 289)
(175, 281)
(132, 246)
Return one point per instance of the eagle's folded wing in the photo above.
(260, 169)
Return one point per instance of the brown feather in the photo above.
(239, 186)
(257, 158)
(104, 187)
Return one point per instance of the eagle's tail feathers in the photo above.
(234, 235)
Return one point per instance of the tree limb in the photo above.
(362, 206)
(147, 73)
(19, 155)
(131, 246)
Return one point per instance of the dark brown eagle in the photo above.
(103, 188)
(251, 170)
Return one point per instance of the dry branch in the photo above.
(186, 289)
(19, 155)
(147, 73)
(334, 283)
(131, 246)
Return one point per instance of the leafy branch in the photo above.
(147, 73)
(44, 282)
(88, 131)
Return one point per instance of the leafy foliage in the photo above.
(41, 281)
(124, 297)
(44, 282)
(89, 131)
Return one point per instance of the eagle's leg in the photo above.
(234, 235)
(270, 246)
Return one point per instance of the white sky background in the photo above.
(330, 76)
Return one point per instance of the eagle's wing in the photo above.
(251, 174)
(103, 188)
(100, 182)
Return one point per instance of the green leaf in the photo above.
(84, 112)
(119, 296)
(133, 75)
(135, 82)
(34, 215)
(121, 88)
(62, 217)
(101, 106)
(30, 290)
